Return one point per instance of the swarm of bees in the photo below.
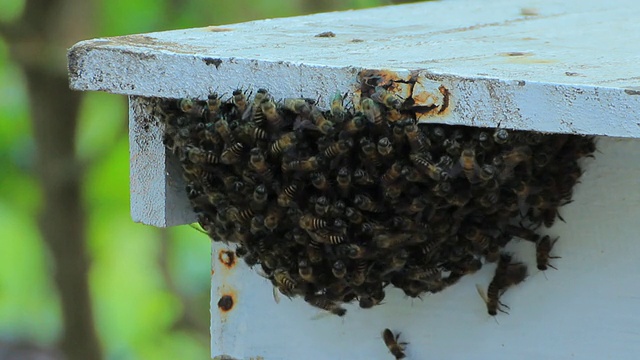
(335, 205)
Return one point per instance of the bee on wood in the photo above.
(371, 111)
(239, 100)
(298, 106)
(396, 348)
(270, 113)
(386, 98)
(338, 113)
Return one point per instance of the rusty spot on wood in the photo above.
(326, 34)
(212, 61)
(445, 99)
(227, 258)
(225, 303)
(212, 272)
(218, 29)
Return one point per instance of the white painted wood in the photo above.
(545, 65)
(588, 309)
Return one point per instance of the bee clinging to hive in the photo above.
(335, 205)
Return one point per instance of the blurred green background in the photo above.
(149, 287)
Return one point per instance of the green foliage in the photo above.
(150, 288)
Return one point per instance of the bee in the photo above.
(369, 154)
(468, 162)
(522, 233)
(242, 216)
(516, 155)
(310, 223)
(507, 274)
(338, 113)
(337, 209)
(354, 215)
(285, 283)
(386, 98)
(198, 156)
(315, 251)
(366, 203)
(501, 136)
(222, 128)
(298, 106)
(431, 170)
(487, 173)
(452, 147)
(213, 106)
(259, 200)
(397, 133)
(239, 100)
(319, 181)
(323, 125)
(322, 302)
(438, 135)
(191, 107)
(371, 111)
(352, 127)
(359, 274)
(398, 260)
(287, 195)
(307, 165)
(413, 175)
(232, 154)
(326, 236)
(371, 298)
(254, 112)
(354, 251)
(390, 240)
(395, 347)
(284, 143)
(305, 270)
(257, 224)
(257, 162)
(385, 148)
(485, 140)
(362, 177)
(270, 113)
(272, 217)
(416, 139)
(339, 269)
(392, 174)
(543, 249)
(338, 148)
(250, 133)
(344, 181)
(321, 206)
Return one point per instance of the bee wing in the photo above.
(321, 315)
(482, 293)
(276, 295)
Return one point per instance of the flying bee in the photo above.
(270, 113)
(362, 177)
(396, 348)
(305, 270)
(322, 302)
(338, 113)
(323, 125)
(287, 195)
(344, 181)
(298, 106)
(371, 111)
(257, 162)
(319, 181)
(222, 128)
(352, 127)
(339, 269)
(284, 143)
(543, 249)
(239, 100)
(232, 154)
(338, 148)
(366, 203)
(307, 165)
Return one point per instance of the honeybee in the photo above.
(522, 233)
(339, 269)
(390, 240)
(516, 155)
(338, 113)
(319, 181)
(270, 113)
(359, 274)
(240, 101)
(393, 173)
(485, 140)
(362, 177)
(469, 164)
(327, 236)
(315, 251)
(543, 250)
(260, 195)
(352, 127)
(257, 224)
(323, 125)
(366, 203)
(222, 128)
(344, 181)
(501, 136)
(322, 302)
(371, 111)
(298, 106)
(284, 143)
(307, 165)
(199, 156)
(395, 347)
(213, 106)
(431, 170)
(285, 283)
(272, 218)
(191, 107)
(254, 112)
(306, 270)
(310, 223)
(371, 298)
(385, 148)
(286, 196)
(338, 148)
(507, 274)
(369, 154)
(321, 206)
(354, 251)
(386, 98)
(416, 138)
(257, 162)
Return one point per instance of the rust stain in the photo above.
(218, 29)
(227, 258)
(212, 272)
(226, 302)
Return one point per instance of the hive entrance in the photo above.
(336, 204)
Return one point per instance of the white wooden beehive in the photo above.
(549, 66)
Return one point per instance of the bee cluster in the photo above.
(334, 205)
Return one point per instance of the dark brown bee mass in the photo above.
(334, 205)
